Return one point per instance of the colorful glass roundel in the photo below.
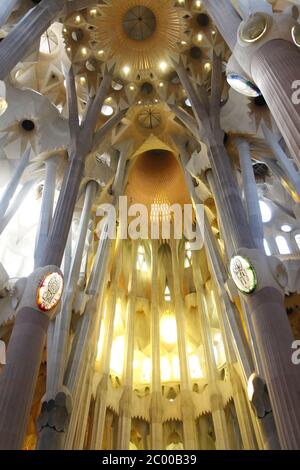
(49, 291)
(254, 28)
(243, 85)
(243, 274)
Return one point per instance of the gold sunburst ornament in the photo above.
(138, 35)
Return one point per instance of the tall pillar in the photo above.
(156, 425)
(275, 68)
(102, 390)
(82, 140)
(13, 183)
(62, 323)
(46, 208)
(187, 406)
(251, 195)
(265, 433)
(124, 424)
(70, 373)
(16, 203)
(225, 18)
(26, 33)
(216, 401)
(286, 163)
(273, 65)
(6, 9)
(274, 348)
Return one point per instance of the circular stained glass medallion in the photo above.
(243, 274)
(49, 291)
(243, 85)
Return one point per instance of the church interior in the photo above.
(116, 339)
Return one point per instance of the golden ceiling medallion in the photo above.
(296, 34)
(254, 28)
(139, 34)
(139, 23)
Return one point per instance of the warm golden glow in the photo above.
(117, 355)
(168, 328)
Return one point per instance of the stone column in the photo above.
(84, 411)
(216, 401)
(274, 349)
(100, 411)
(6, 9)
(223, 221)
(26, 33)
(13, 184)
(15, 205)
(62, 322)
(17, 383)
(156, 409)
(82, 140)
(46, 208)
(225, 18)
(236, 336)
(124, 425)
(95, 290)
(275, 68)
(187, 406)
(250, 192)
(286, 163)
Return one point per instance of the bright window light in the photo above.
(297, 238)
(286, 228)
(168, 329)
(266, 213)
(282, 245)
(267, 248)
(107, 110)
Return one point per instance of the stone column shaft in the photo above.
(16, 203)
(13, 184)
(124, 425)
(62, 322)
(283, 160)
(26, 33)
(100, 413)
(156, 426)
(251, 195)
(275, 349)
(187, 406)
(275, 67)
(216, 401)
(46, 208)
(225, 18)
(18, 383)
(6, 9)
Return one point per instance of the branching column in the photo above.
(225, 18)
(14, 182)
(26, 33)
(11, 400)
(272, 331)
